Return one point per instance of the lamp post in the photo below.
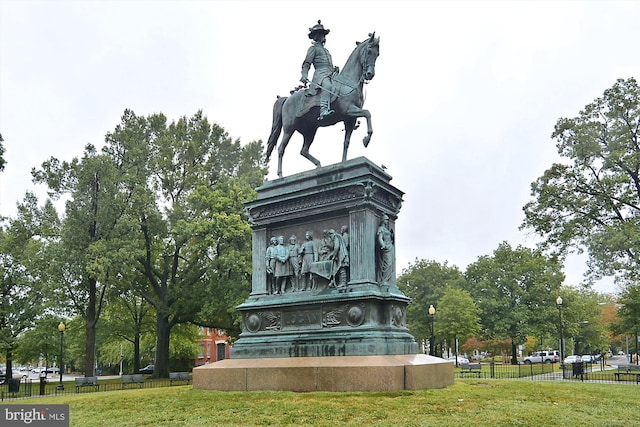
(121, 359)
(559, 304)
(432, 341)
(61, 328)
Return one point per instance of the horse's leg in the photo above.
(354, 111)
(283, 145)
(349, 125)
(308, 139)
(367, 115)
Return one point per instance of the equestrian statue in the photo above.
(332, 96)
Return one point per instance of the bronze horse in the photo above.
(299, 112)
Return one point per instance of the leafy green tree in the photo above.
(425, 282)
(515, 290)
(126, 318)
(41, 341)
(93, 245)
(629, 314)
(21, 282)
(590, 201)
(582, 310)
(188, 182)
(458, 316)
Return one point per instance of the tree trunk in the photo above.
(136, 351)
(9, 370)
(514, 353)
(90, 331)
(161, 369)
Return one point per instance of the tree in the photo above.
(21, 279)
(591, 201)
(93, 245)
(188, 182)
(458, 316)
(516, 291)
(425, 282)
(629, 313)
(127, 317)
(582, 319)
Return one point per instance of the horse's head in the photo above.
(362, 62)
(370, 53)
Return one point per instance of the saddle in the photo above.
(305, 99)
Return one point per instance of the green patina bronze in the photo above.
(333, 96)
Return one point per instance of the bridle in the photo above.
(367, 67)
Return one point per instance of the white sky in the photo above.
(464, 101)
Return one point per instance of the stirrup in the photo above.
(324, 114)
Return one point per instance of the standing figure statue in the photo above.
(320, 58)
(270, 260)
(340, 260)
(344, 231)
(309, 255)
(386, 252)
(294, 262)
(283, 269)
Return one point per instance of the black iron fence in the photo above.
(584, 371)
(27, 388)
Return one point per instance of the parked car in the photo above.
(53, 370)
(589, 358)
(146, 370)
(572, 359)
(461, 359)
(550, 356)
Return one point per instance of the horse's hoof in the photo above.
(366, 140)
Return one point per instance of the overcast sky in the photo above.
(463, 104)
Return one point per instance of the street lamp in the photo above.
(432, 342)
(61, 328)
(559, 303)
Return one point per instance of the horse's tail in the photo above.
(276, 127)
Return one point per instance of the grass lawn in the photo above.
(466, 403)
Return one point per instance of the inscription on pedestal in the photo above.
(302, 319)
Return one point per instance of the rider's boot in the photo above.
(324, 110)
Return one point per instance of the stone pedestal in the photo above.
(360, 313)
(343, 329)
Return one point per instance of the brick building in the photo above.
(213, 346)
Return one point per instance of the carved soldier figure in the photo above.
(320, 58)
(344, 231)
(294, 262)
(326, 246)
(270, 259)
(283, 269)
(340, 260)
(386, 252)
(309, 255)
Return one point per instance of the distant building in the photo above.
(213, 346)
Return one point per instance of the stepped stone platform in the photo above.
(333, 373)
(341, 324)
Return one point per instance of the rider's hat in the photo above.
(317, 29)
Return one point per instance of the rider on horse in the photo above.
(320, 57)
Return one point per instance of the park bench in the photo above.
(470, 368)
(179, 377)
(87, 382)
(628, 370)
(132, 379)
